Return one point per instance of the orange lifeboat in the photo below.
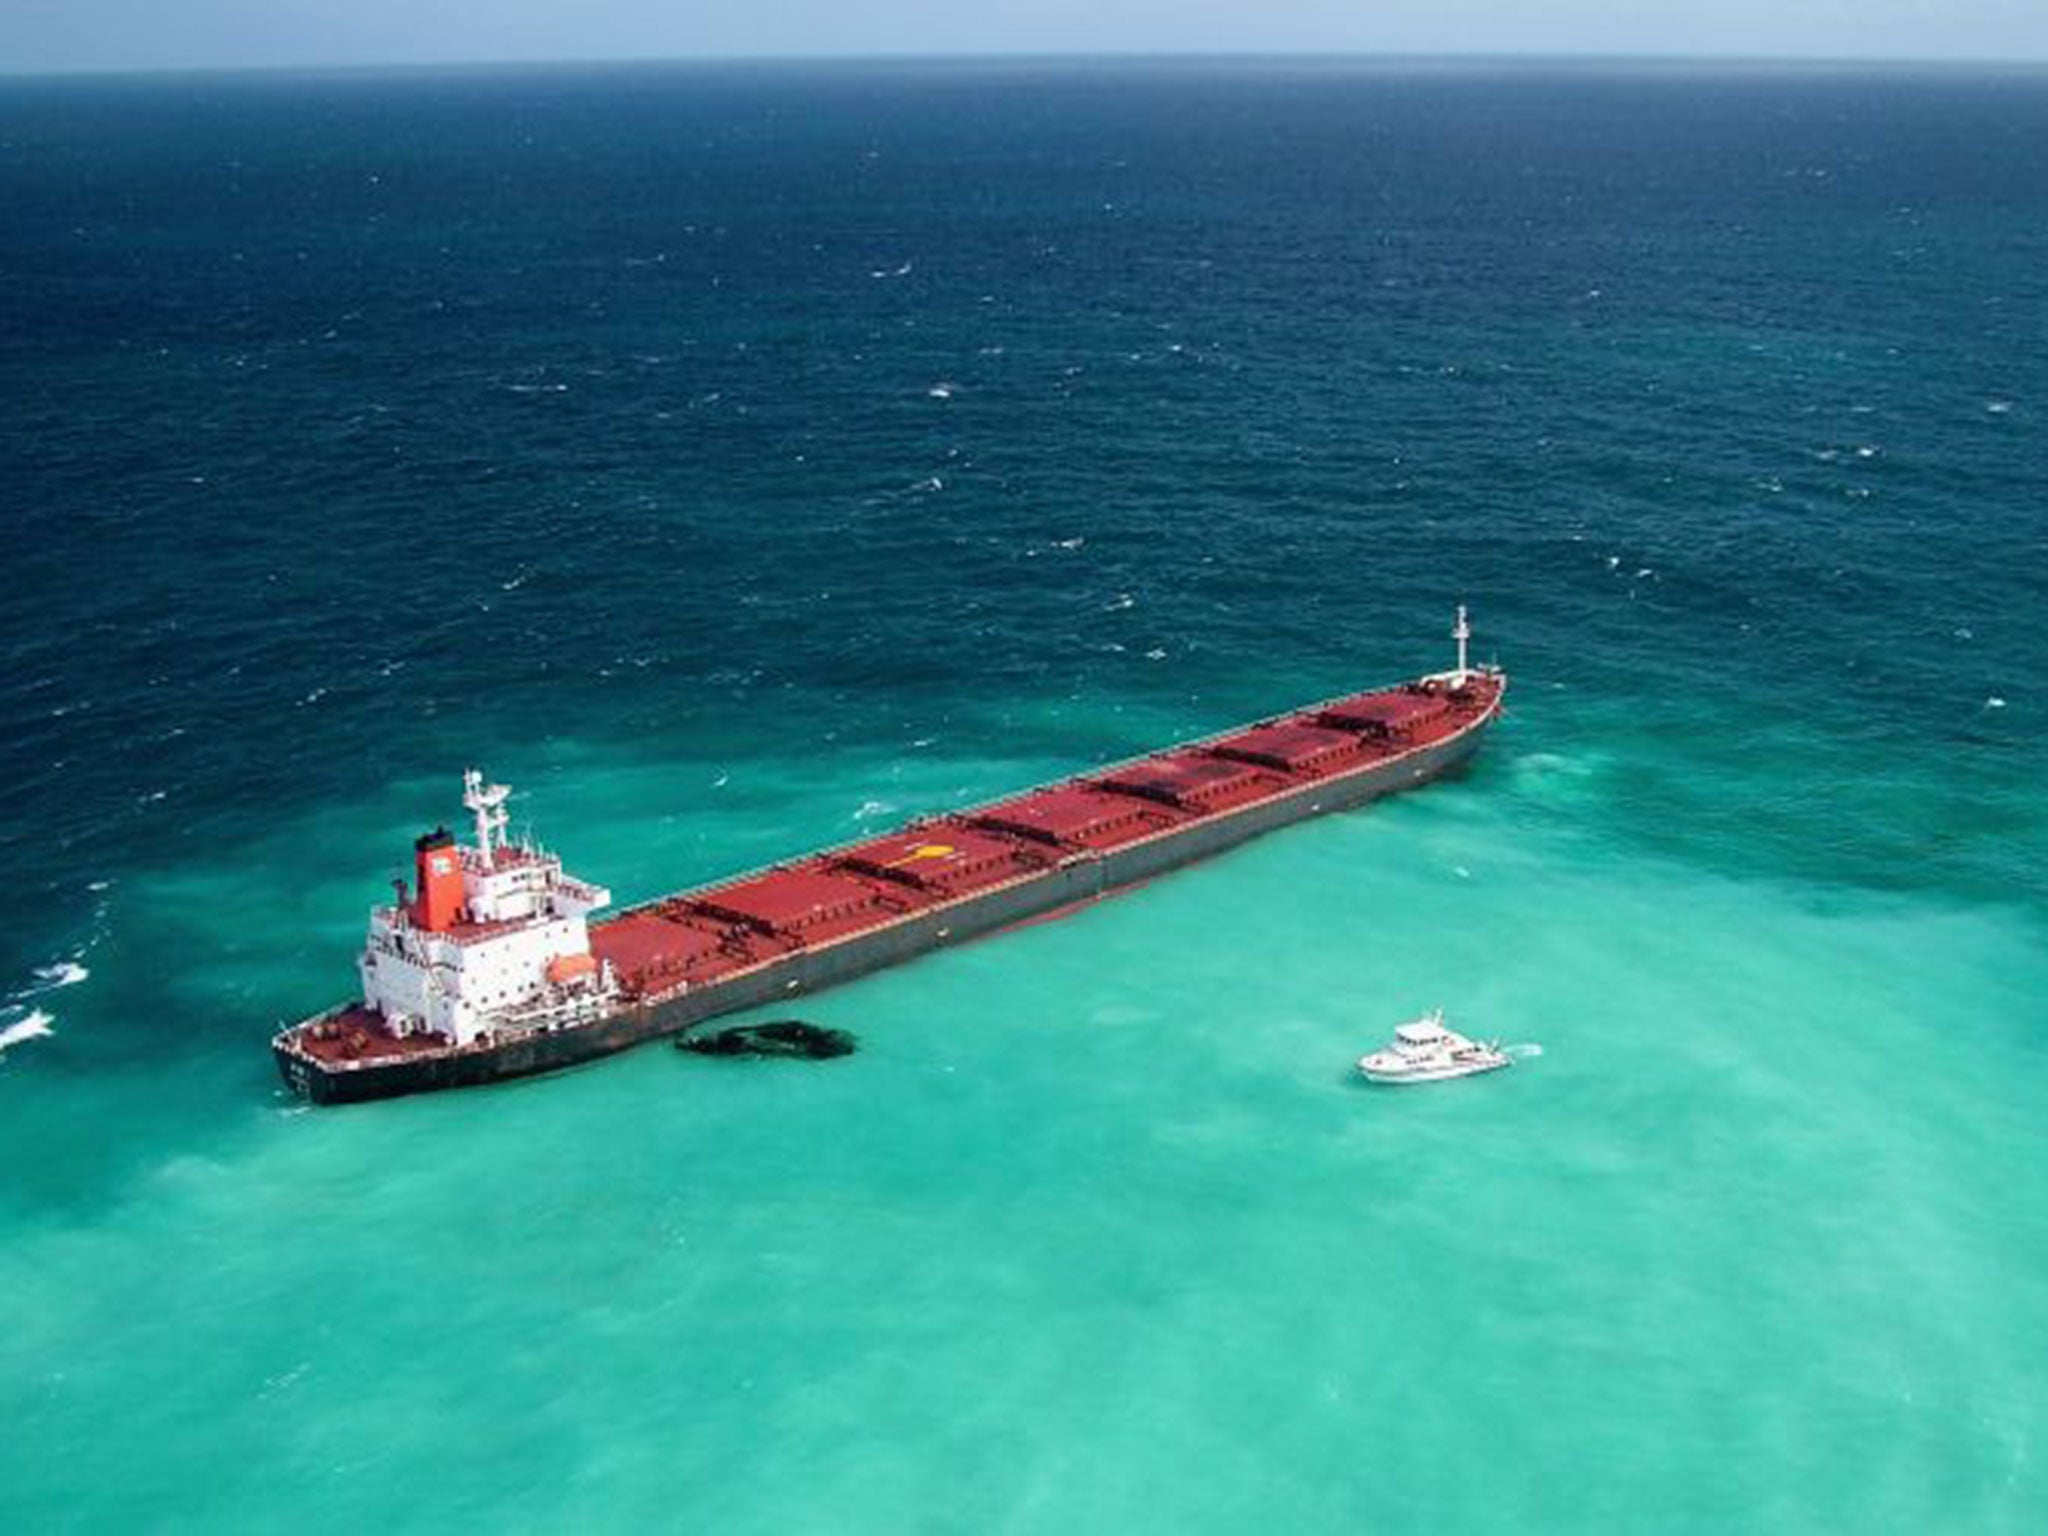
(564, 969)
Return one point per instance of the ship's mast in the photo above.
(1462, 633)
(488, 801)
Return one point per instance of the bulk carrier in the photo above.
(489, 967)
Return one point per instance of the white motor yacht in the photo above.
(1424, 1050)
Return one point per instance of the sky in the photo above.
(46, 35)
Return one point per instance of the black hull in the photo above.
(793, 975)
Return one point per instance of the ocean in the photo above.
(737, 458)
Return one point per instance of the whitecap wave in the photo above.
(65, 973)
(33, 1027)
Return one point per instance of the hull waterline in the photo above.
(1065, 879)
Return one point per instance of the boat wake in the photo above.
(1523, 1051)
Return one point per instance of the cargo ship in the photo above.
(491, 967)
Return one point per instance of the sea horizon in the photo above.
(1675, 63)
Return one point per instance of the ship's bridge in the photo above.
(513, 883)
(496, 937)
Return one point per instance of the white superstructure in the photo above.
(1426, 1050)
(493, 940)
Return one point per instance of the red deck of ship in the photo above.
(354, 1034)
(947, 859)
(700, 936)
(1194, 781)
(707, 934)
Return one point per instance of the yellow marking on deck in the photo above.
(922, 851)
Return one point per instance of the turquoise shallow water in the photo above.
(357, 435)
(1097, 1231)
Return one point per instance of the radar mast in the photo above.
(488, 802)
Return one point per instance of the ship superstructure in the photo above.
(489, 968)
(493, 937)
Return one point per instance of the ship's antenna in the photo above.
(1462, 633)
(488, 801)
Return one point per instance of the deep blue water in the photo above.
(732, 457)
